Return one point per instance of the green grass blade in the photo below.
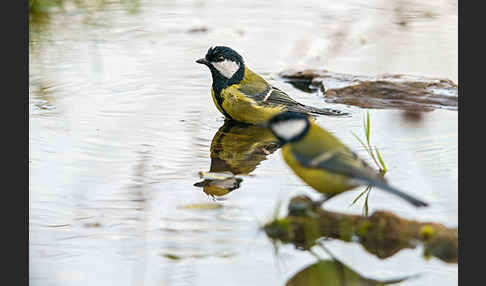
(366, 203)
(381, 160)
(359, 196)
(361, 141)
(367, 126)
(364, 125)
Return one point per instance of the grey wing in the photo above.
(343, 162)
(339, 163)
(274, 97)
(271, 96)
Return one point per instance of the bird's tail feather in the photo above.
(325, 111)
(390, 189)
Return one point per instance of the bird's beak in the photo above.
(202, 61)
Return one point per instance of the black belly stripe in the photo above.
(220, 99)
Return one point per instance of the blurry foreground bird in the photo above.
(324, 162)
(244, 96)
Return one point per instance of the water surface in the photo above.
(121, 122)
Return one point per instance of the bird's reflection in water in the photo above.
(236, 149)
(334, 273)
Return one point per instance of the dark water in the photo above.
(121, 123)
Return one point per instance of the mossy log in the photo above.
(393, 91)
(382, 234)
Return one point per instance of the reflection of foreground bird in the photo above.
(236, 149)
(322, 161)
(243, 95)
(334, 273)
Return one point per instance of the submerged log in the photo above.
(406, 92)
(382, 234)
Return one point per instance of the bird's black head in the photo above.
(289, 126)
(226, 65)
(221, 53)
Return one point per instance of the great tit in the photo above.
(322, 161)
(244, 96)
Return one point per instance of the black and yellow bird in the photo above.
(323, 161)
(244, 96)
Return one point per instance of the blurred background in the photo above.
(121, 123)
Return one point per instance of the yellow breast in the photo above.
(240, 107)
(244, 109)
(319, 179)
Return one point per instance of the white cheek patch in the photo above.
(227, 68)
(289, 129)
